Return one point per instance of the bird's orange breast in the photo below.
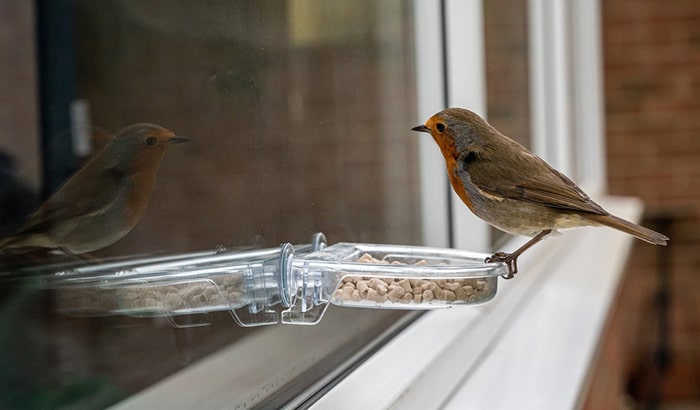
(457, 183)
(143, 174)
(449, 151)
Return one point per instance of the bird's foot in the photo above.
(509, 259)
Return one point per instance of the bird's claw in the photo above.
(509, 259)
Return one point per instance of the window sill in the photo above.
(530, 348)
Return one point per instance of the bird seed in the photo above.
(411, 291)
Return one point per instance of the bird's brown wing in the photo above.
(533, 181)
(65, 206)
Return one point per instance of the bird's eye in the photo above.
(151, 141)
(440, 127)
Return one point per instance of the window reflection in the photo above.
(298, 114)
(295, 129)
(103, 200)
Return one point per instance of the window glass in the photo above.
(298, 114)
(507, 68)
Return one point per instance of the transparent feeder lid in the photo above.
(244, 283)
(297, 282)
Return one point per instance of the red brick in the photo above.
(652, 83)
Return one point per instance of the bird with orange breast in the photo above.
(510, 188)
(103, 200)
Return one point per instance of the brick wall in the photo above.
(652, 85)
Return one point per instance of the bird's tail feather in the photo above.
(633, 229)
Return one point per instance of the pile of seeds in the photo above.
(85, 301)
(411, 291)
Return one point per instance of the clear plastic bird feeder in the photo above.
(292, 284)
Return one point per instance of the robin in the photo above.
(512, 189)
(103, 200)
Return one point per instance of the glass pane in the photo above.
(298, 115)
(507, 68)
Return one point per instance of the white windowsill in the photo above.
(530, 348)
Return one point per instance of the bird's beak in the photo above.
(177, 139)
(421, 128)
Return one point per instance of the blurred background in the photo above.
(651, 56)
(299, 116)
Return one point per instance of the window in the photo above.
(298, 114)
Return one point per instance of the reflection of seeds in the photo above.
(173, 301)
(222, 291)
(86, 300)
(219, 293)
(410, 290)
